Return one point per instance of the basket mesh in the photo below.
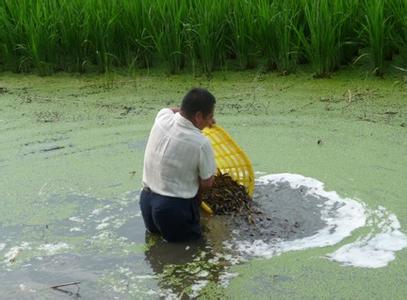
(230, 158)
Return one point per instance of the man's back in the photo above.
(176, 154)
(177, 162)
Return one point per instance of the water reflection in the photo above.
(183, 269)
(162, 253)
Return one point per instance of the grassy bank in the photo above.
(201, 35)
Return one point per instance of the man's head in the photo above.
(198, 106)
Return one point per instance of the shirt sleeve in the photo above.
(207, 165)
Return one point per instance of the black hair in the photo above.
(198, 99)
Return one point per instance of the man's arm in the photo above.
(207, 166)
(206, 184)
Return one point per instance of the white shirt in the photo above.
(176, 155)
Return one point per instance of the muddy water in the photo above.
(334, 205)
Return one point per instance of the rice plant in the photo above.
(9, 36)
(322, 36)
(101, 23)
(89, 35)
(167, 27)
(71, 55)
(139, 46)
(351, 42)
(32, 35)
(399, 10)
(267, 37)
(276, 34)
(287, 20)
(243, 25)
(376, 30)
(208, 28)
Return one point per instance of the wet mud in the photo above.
(286, 214)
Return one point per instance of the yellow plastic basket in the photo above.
(230, 159)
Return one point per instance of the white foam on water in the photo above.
(225, 278)
(98, 211)
(104, 223)
(151, 292)
(76, 219)
(342, 216)
(203, 274)
(168, 294)
(2, 246)
(146, 276)
(378, 248)
(75, 229)
(197, 287)
(107, 219)
(13, 252)
(102, 226)
(117, 223)
(24, 288)
(51, 249)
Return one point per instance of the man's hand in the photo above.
(212, 123)
(175, 109)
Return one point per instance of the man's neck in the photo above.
(188, 118)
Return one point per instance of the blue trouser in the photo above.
(177, 219)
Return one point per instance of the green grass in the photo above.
(167, 27)
(399, 10)
(138, 49)
(322, 36)
(200, 35)
(243, 25)
(276, 36)
(376, 30)
(207, 29)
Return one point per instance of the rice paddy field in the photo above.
(315, 92)
(201, 35)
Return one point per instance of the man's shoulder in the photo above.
(193, 138)
(164, 112)
(164, 118)
(202, 140)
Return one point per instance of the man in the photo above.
(178, 163)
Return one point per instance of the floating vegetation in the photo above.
(227, 197)
(3, 90)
